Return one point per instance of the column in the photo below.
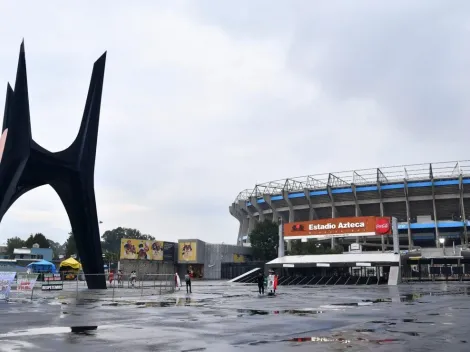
(408, 216)
(436, 223)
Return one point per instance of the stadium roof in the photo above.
(383, 175)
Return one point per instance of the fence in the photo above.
(232, 270)
(435, 272)
(73, 286)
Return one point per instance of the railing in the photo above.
(120, 288)
(390, 174)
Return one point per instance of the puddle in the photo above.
(410, 297)
(51, 331)
(382, 322)
(297, 312)
(409, 333)
(365, 330)
(84, 330)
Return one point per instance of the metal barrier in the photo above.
(119, 288)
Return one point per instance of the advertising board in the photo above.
(187, 251)
(6, 278)
(239, 258)
(338, 227)
(52, 282)
(169, 249)
(26, 282)
(141, 249)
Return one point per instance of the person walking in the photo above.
(111, 277)
(177, 281)
(120, 274)
(260, 280)
(133, 278)
(187, 278)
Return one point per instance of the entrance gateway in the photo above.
(350, 268)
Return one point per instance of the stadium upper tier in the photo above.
(423, 197)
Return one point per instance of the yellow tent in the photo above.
(71, 263)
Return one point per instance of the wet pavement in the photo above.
(233, 317)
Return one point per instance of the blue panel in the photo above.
(422, 225)
(248, 204)
(392, 186)
(420, 184)
(277, 198)
(318, 193)
(430, 225)
(449, 224)
(341, 190)
(466, 181)
(446, 182)
(296, 195)
(402, 226)
(260, 200)
(366, 188)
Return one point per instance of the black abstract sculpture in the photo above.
(24, 165)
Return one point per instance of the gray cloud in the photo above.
(203, 99)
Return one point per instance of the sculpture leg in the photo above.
(79, 202)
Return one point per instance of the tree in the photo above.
(264, 240)
(12, 243)
(57, 249)
(111, 239)
(70, 246)
(38, 238)
(312, 247)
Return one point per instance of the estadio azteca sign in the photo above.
(339, 227)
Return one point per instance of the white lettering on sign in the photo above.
(341, 225)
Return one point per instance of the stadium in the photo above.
(431, 202)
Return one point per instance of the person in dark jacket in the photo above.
(187, 279)
(260, 280)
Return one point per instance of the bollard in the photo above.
(76, 296)
(32, 291)
(113, 294)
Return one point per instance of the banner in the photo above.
(338, 227)
(25, 282)
(187, 252)
(140, 249)
(169, 249)
(52, 282)
(239, 258)
(6, 278)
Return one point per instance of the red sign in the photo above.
(382, 226)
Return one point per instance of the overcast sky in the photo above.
(203, 99)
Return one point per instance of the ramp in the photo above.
(245, 275)
(394, 276)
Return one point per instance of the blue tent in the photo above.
(42, 266)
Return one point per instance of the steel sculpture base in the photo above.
(24, 165)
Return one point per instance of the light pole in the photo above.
(442, 241)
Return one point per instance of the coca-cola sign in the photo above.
(382, 226)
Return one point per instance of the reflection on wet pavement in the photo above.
(226, 317)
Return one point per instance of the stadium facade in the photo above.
(430, 201)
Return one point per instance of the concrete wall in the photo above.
(145, 267)
(216, 254)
